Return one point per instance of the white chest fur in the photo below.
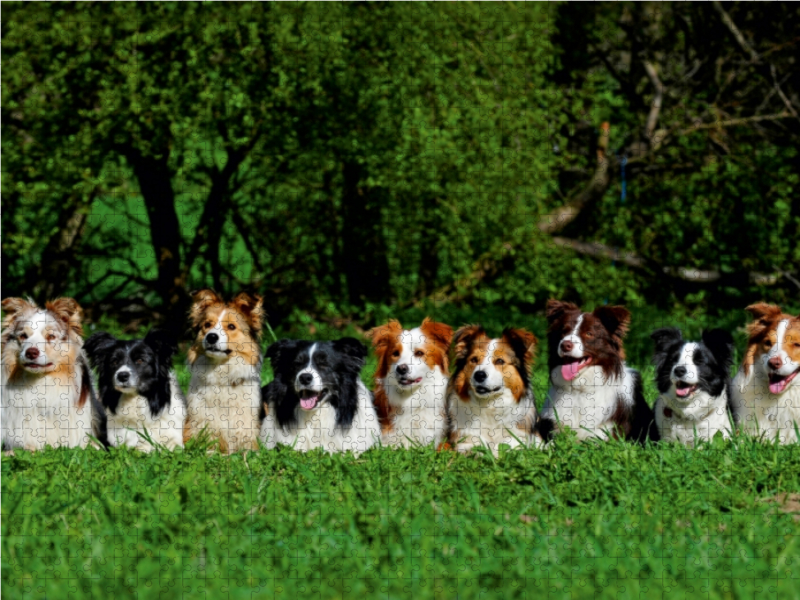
(225, 399)
(317, 428)
(420, 415)
(760, 412)
(133, 417)
(490, 422)
(699, 418)
(40, 410)
(588, 402)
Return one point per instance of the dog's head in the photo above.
(685, 367)
(406, 357)
(226, 330)
(487, 367)
(773, 349)
(132, 367)
(309, 375)
(577, 340)
(41, 341)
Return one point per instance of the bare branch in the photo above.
(658, 98)
(735, 31)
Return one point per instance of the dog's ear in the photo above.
(464, 337)
(164, 344)
(13, 307)
(384, 335)
(97, 345)
(665, 337)
(351, 347)
(523, 343)
(555, 310)
(202, 300)
(615, 319)
(440, 333)
(762, 310)
(279, 348)
(720, 343)
(69, 312)
(252, 307)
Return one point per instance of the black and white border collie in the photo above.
(490, 399)
(138, 389)
(766, 390)
(47, 393)
(592, 390)
(693, 381)
(317, 399)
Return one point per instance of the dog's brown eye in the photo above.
(419, 353)
(207, 324)
(51, 337)
(768, 344)
(589, 334)
(139, 361)
(474, 360)
(231, 326)
(22, 336)
(396, 353)
(499, 361)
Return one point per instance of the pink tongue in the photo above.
(569, 371)
(308, 403)
(683, 392)
(778, 386)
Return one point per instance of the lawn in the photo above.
(597, 520)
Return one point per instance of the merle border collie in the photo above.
(138, 389)
(224, 395)
(693, 381)
(766, 389)
(592, 390)
(490, 399)
(411, 381)
(47, 392)
(317, 399)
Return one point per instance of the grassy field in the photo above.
(579, 520)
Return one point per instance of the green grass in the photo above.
(578, 521)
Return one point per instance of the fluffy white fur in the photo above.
(226, 397)
(701, 418)
(420, 414)
(587, 402)
(317, 428)
(760, 412)
(133, 415)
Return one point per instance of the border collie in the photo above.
(138, 389)
(411, 381)
(317, 399)
(47, 398)
(592, 391)
(490, 399)
(225, 363)
(766, 390)
(693, 381)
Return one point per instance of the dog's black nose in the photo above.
(306, 378)
(680, 371)
(32, 353)
(212, 338)
(123, 376)
(479, 376)
(402, 369)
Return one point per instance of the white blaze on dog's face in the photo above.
(774, 346)
(309, 385)
(42, 341)
(685, 374)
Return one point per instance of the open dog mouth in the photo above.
(778, 383)
(571, 366)
(215, 350)
(35, 366)
(406, 381)
(683, 389)
(483, 390)
(310, 399)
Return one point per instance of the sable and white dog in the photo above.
(224, 393)
(490, 399)
(47, 394)
(592, 390)
(766, 390)
(411, 382)
(693, 381)
(317, 399)
(138, 389)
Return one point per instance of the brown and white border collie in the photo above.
(490, 399)
(592, 390)
(225, 365)
(411, 381)
(766, 390)
(47, 394)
